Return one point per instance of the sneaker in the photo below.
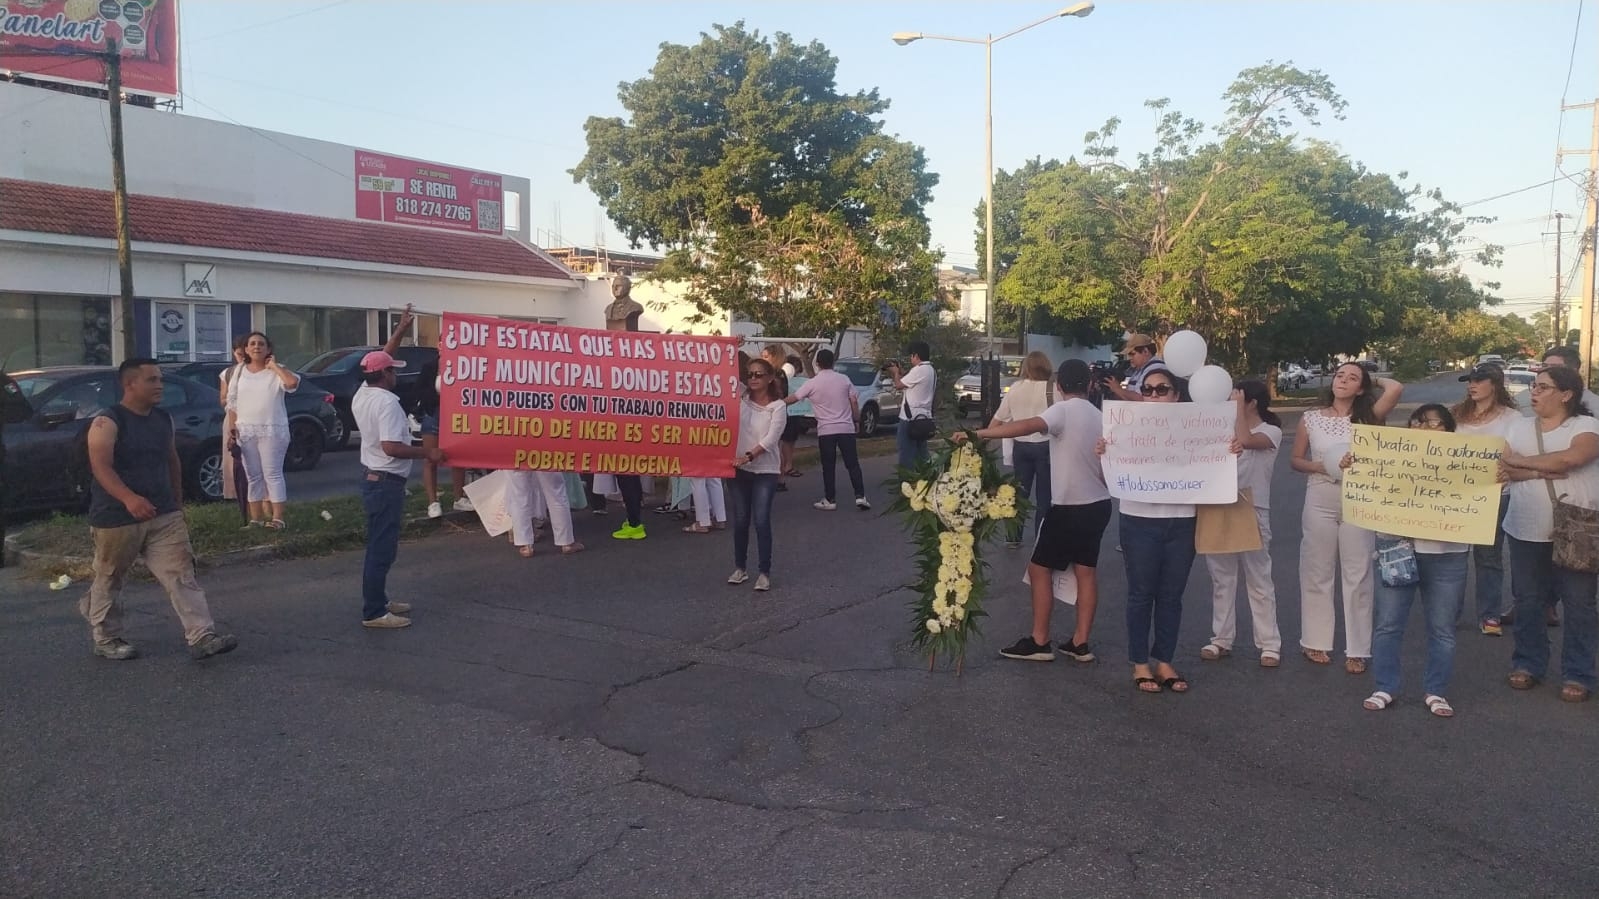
(213, 645)
(435, 510)
(1079, 652)
(464, 505)
(762, 583)
(782, 487)
(826, 505)
(399, 608)
(862, 504)
(629, 532)
(116, 649)
(738, 576)
(1492, 627)
(596, 510)
(387, 620)
(1026, 650)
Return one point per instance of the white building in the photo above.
(233, 229)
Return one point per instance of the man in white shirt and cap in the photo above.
(1140, 352)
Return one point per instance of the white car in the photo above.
(1291, 377)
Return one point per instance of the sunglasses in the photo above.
(1158, 390)
(757, 374)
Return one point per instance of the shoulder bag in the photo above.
(1396, 562)
(1576, 531)
(1229, 528)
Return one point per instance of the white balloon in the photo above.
(1211, 384)
(1185, 353)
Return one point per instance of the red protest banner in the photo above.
(548, 398)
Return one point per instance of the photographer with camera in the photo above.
(1140, 353)
(916, 424)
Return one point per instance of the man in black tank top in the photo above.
(136, 508)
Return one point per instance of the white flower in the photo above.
(934, 626)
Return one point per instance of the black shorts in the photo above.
(1070, 535)
(797, 425)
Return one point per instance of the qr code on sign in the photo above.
(488, 215)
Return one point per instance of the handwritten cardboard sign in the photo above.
(1170, 452)
(1434, 485)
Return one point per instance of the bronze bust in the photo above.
(623, 313)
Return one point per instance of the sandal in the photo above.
(1354, 666)
(696, 528)
(1146, 684)
(1521, 680)
(1270, 659)
(572, 549)
(525, 552)
(1317, 656)
(276, 524)
(793, 473)
(1377, 701)
(1176, 684)
(1213, 651)
(1570, 692)
(1439, 706)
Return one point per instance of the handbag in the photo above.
(1229, 528)
(922, 427)
(1396, 562)
(1576, 531)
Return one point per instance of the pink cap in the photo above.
(377, 360)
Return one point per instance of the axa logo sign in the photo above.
(199, 280)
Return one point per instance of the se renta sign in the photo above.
(60, 40)
(411, 192)
(521, 395)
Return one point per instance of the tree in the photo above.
(776, 196)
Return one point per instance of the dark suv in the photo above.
(47, 416)
(338, 372)
(314, 422)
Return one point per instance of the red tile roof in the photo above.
(85, 212)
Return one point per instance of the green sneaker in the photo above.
(629, 532)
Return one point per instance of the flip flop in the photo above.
(1178, 684)
(1139, 682)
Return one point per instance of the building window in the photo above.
(48, 329)
(299, 333)
(189, 332)
(424, 327)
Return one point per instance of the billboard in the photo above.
(411, 192)
(48, 40)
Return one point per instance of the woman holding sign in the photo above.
(1552, 456)
(1332, 550)
(1489, 409)
(762, 416)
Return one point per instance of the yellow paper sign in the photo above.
(1434, 485)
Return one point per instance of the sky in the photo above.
(1464, 96)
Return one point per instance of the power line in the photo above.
(306, 12)
(1511, 193)
(1560, 123)
(269, 138)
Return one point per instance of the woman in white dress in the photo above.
(261, 426)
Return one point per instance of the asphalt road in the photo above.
(622, 723)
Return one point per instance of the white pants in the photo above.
(535, 494)
(1331, 552)
(1262, 592)
(263, 466)
(709, 500)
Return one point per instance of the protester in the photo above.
(710, 506)
(261, 427)
(762, 416)
(800, 414)
(1259, 435)
(229, 447)
(1158, 551)
(426, 410)
(1441, 569)
(1566, 357)
(1332, 551)
(919, 385)
(135, 509)
(1142, 359)
(550, 486)
(837, 413)
(1554, 453)
(386, 454)
(1077, 515)
(1489, 409)
(1028, 398)
(631, 486)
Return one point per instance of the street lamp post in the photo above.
(1077, 10)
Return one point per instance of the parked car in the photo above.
(46, 447)
(1369, 365)
(314, 422)
(1491, 359)
(1291, 377)
(879, 399)
(969, 387)
(337, 372)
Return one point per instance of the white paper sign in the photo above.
(490, 497)
(1063, 584)
(1170, 452)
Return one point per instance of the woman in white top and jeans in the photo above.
(762, 417)
(1028, 398)
(261, 426)
(1489, 409)
(1330, 549)
(1258, 437)
(1556, 453)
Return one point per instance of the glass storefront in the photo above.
(189, 332)
(51, 329)
(299, 333)
(424, 328)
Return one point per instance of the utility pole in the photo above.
(1590, 223)
(1560, 335)
(122, 321)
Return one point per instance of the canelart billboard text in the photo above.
(64, 40)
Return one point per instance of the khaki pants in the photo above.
(164, 543)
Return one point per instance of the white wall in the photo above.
(1059, 351)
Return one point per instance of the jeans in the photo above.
(910, 451)
(1031, 462)
(830, 446)
(1443, 592)
(1533, 578)
(631, 486)
(752, 500)
(1158, 553)
(1489, 561)
(383, 497)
